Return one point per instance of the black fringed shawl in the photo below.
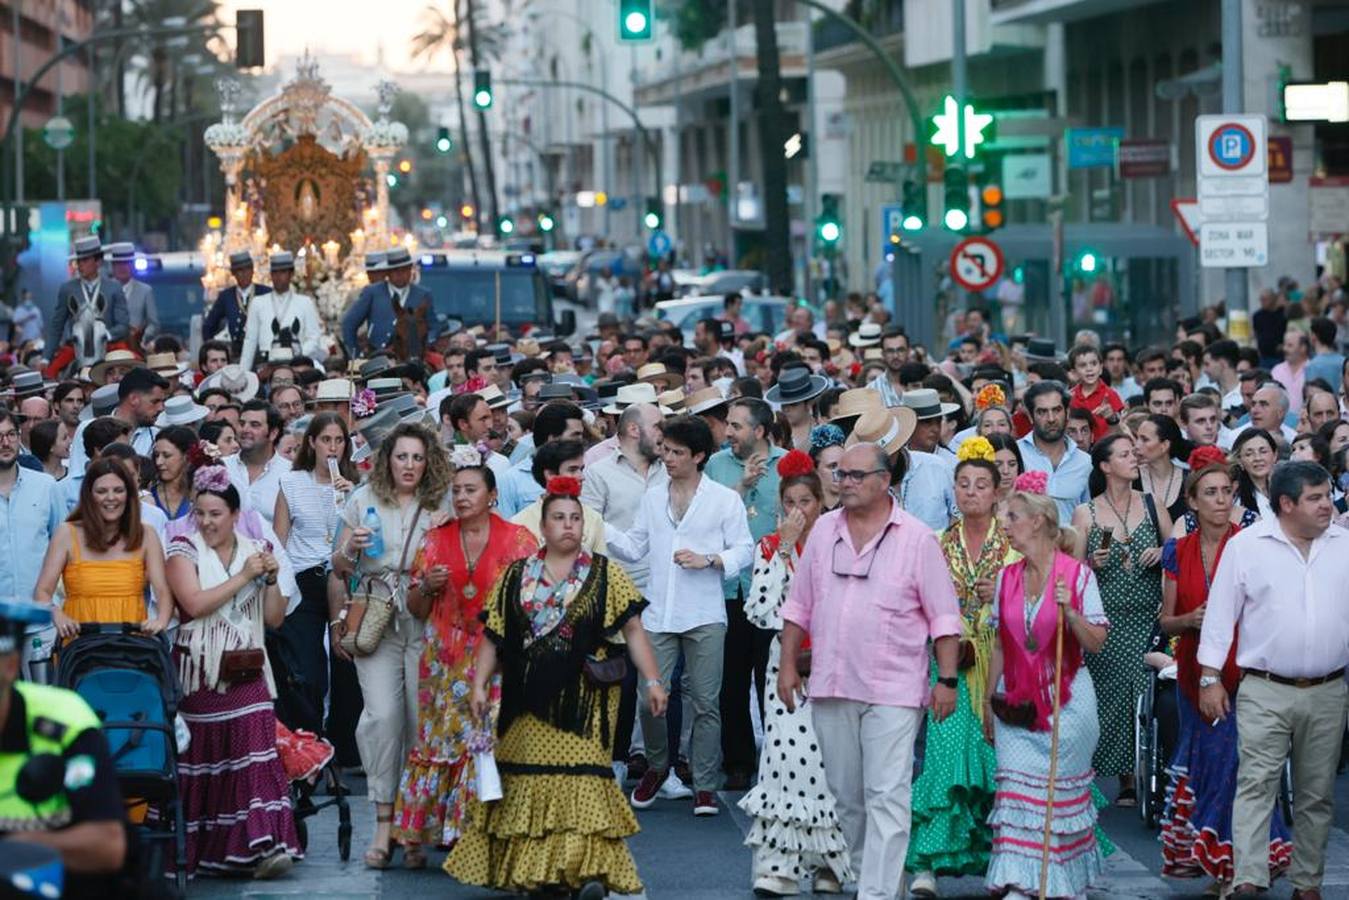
(545, 679)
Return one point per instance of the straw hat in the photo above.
(181, 410)
(631, 394)
(333, 390)
(701, 401)
(674, 400)
(889, 429)
(235, 380)
(657, 374)
(856, 401)
(868, 335)
(165, 364)
(98, 372)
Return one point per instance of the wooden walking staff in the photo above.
(1053, 743)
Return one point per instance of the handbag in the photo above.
(967, 655)
(238, 666)
(605, 672)
(1020, 715)
(371, 603)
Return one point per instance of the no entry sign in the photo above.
(976, 263)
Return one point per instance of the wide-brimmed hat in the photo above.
(889, 429)
(926, 404)
(181, 410)
(630, 395)
(405, 407)
(373, 429)
(494, 397)
(85, 247)
(529, 348)
(281, 262)
(856, 401)
(657, 374)
(556, 390)
(233, 379)
(702, 400)
(121, 252)
(868, 335)
(241, 259)
(397, 258)
(1042, 350)
(374, 262)
(165, 364)
(673, 400)
(101, 402)
(29, 384)
(796, 384)
(98, 372)
(380, 366)
(333, 390)
(385, 388)
(504, 355)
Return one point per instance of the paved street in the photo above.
(704, 859)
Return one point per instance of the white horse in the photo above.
(87, 329)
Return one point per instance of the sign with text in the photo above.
(1089, 148)
(1144, 158)
(1280, 159)
(1232, 159)
(1228, 245)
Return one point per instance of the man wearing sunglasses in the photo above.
(871, 589)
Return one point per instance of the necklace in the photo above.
(470, 589)
(1165, 496)
(1030, 611)
(1126, 537)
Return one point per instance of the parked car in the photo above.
(765, 314)
(744, 281)
(555, 265)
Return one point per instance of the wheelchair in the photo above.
(1156, 732)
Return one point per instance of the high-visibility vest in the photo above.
(55, 718)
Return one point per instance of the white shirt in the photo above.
(1290, 615)
(715, 523)
(260, 493)
(142, 441)
(285, 309)
(613, 488)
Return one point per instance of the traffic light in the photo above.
(248, 43)
(652, 219)
(405, 166)
(634, 20)
(482, 88)
(466, 211)
(957, 192)
(443, 141)
(991, 212)
(546, 222)
(947, 134)
(1086, 262)
(827, 226)
(505, 226)
(915, 206)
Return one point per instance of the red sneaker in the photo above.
(645, 793)
(704, 804)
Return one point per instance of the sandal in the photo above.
(380, 857)
(414, 857)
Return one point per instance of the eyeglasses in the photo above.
(853, 568)
(854, 476)
(7, 436)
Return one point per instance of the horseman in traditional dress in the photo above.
(91, 314)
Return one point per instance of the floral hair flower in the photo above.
(975, 448)
(1032, 483)
(990, 394)
(1205, 456)
(211, 478)
(364, 403)
(822, 436)
(563, 486)
(474, 384)
(203, 453)
(465, 456)
(795, 462)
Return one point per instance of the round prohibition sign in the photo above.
(976, 263)
(1231, 146)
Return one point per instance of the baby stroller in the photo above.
(298, 708)
(129, 680)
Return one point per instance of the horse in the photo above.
(88, 330)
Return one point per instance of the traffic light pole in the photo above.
(959, 69)
(1234, 101)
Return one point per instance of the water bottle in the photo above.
(372, 522)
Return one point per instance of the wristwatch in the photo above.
(953, 682)
(1209, 680)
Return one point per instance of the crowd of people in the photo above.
(905, 597)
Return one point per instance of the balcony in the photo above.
(1044, 12)
(878, 21)
(707, 70)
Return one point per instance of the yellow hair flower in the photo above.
(990, 394)
(975, 448)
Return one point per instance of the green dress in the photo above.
(954, 794)
(1132, 596)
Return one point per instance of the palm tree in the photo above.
(442, 33)
(772, 135)
(158, 68)
(475, 45)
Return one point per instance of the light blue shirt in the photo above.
(1068, 482)
(517, 488)
(881, 384)
(1328, 366)
(928, 491)
(760, 502)
(29, 517)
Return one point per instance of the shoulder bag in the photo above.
(371, 603)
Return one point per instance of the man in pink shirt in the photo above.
(1280, 592)
(1292, 372)
(872, 587)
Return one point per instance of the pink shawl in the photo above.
(1028, 674)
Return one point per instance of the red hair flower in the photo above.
(202, 453)
(793, 463)
(1032, 482)
(564, 486)
(1205, 456)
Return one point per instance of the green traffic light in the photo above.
(391, 180)
(830, 232)
(652, 220)
(443, 144)
(912, 223)
(546, 223)
(635, 22)
(1087, 262)
(482, 99)
(956, 219)
(506, 226)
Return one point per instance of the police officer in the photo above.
(53, 736)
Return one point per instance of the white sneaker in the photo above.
(924, 885)
(673, 788)
(826, 883)
(774, 886)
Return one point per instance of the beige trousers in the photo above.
(1274, 722)
(388, 724)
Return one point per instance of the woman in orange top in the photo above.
(105, 555)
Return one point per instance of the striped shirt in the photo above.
(313, 519)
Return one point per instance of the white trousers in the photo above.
(388, 723)
(868, 765)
